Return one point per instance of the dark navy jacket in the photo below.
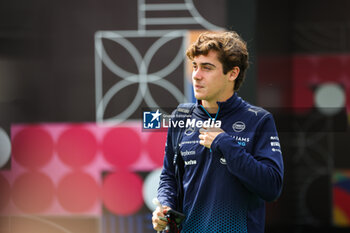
(225, 187)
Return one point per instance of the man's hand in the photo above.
(158, 223)
(207, 135)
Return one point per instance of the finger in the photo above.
(157, 213)
(210, 129)
(160, 216)
(158, 223)
(201, 142)
(155, 219)
(159, 210)
(202, 130)
(162, 222)
(214, 129)
(158, 227)
(217, 129)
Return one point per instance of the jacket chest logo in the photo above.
(238, 126)
(189, 131)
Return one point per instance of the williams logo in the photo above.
(238, 126)
(151, 120)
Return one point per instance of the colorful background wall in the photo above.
(76, 76)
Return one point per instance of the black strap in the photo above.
(183, 112)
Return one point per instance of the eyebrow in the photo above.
(204, 64)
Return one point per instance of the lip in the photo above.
(198, 86)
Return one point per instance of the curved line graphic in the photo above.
(142, 78)
(47, 222)
(130, 109)
(109, 63)
(202, 21)
(109, 95)
(174, 63)
(155, 46)
(131, 49)
(151, 102)
(172, 89)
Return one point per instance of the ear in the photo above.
(234, 73)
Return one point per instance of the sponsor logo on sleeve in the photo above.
(275, 144)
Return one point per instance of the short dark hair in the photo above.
(232, 51)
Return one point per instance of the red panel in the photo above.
(275, 81)
(309, 71)
(341, 199)
(122, 193)
(77, 147)
(155, 146)
(121, 147)
(32, 147)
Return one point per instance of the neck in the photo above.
(211, 105)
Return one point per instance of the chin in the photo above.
(198, 96)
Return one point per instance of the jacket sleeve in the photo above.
(261, 172)
(167, 191)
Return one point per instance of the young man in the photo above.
(229, 172)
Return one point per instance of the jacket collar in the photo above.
(225, 107)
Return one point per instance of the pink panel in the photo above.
(77, 192)
(57, 168)
(5, 192)
(33, 192)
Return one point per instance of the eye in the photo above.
(194, 66)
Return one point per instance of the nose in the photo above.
(196, 74)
